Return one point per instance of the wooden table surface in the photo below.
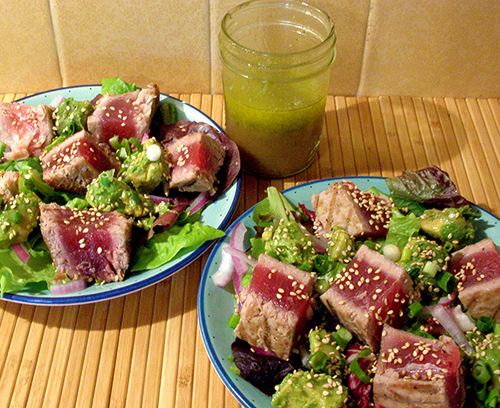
(145, 349)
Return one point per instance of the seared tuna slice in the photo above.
(87, 243)
(275, 307)
(196, 159)
(477, 269)
(126, 115)
(414, 371)
(72, 165)
(370, 291)
(229, 170)
(26, 130)
(359, 212)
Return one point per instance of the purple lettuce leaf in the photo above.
(430, 185)
(263, 371)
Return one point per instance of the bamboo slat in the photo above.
(145, 349)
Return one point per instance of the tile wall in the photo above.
(385, 47)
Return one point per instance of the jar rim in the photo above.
(330, 37)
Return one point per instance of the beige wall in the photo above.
(385, 47)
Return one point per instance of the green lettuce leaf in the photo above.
(274, 208)
(163, 247)
(15, 275)
(116, 86)
(402, 228)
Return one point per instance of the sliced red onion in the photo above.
(448, 300)
(238, 236)
(462, 319)
(159, 199)
(236, 242)
(226, 270)
(259, 350)
(446, 320)
(200, 200)
(245, 259)
(68, 287)
(21, 252)
(238, 283)
(56, 101)
(145, 137)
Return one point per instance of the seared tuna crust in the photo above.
(26, 130)
(196, 158)
(126, 115)
(370, 291)
(416, 372)
(87, 243)
(359, 212)
(72, 165)
(477, 269)
(275, 307)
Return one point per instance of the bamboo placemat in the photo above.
(145, 349)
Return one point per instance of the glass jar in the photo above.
(276, 58)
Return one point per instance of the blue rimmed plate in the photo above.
(217, 214)
(215, 305)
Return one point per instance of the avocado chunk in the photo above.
(448, 224)
(107, 193)
(147, 168)
(18, 217)
(325, 352)
(303, 389)
(71, 116)
(289, 243)
(341, 246)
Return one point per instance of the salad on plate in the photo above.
(93, 190)
(366, 299)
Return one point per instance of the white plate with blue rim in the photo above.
(216, 305)
(216, 214)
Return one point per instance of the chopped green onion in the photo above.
(481, 372)
(413, 271)
(414, 309)
(342, 337)
(356, 369)
(317, 361)
(247, 278)
(136, 143)
(115, 143)
(430, 269)
(481, 391)
(233, 320)
(3, 146)
(448, 246)
(234, 370)
(321, 264)
(392, 252)
(406, 254)
(447, 282)
(375, 190)
(484, 324)
(493, 399)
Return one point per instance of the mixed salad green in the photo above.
(430, 221)
(25, 260)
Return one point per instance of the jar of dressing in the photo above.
(276, 58)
